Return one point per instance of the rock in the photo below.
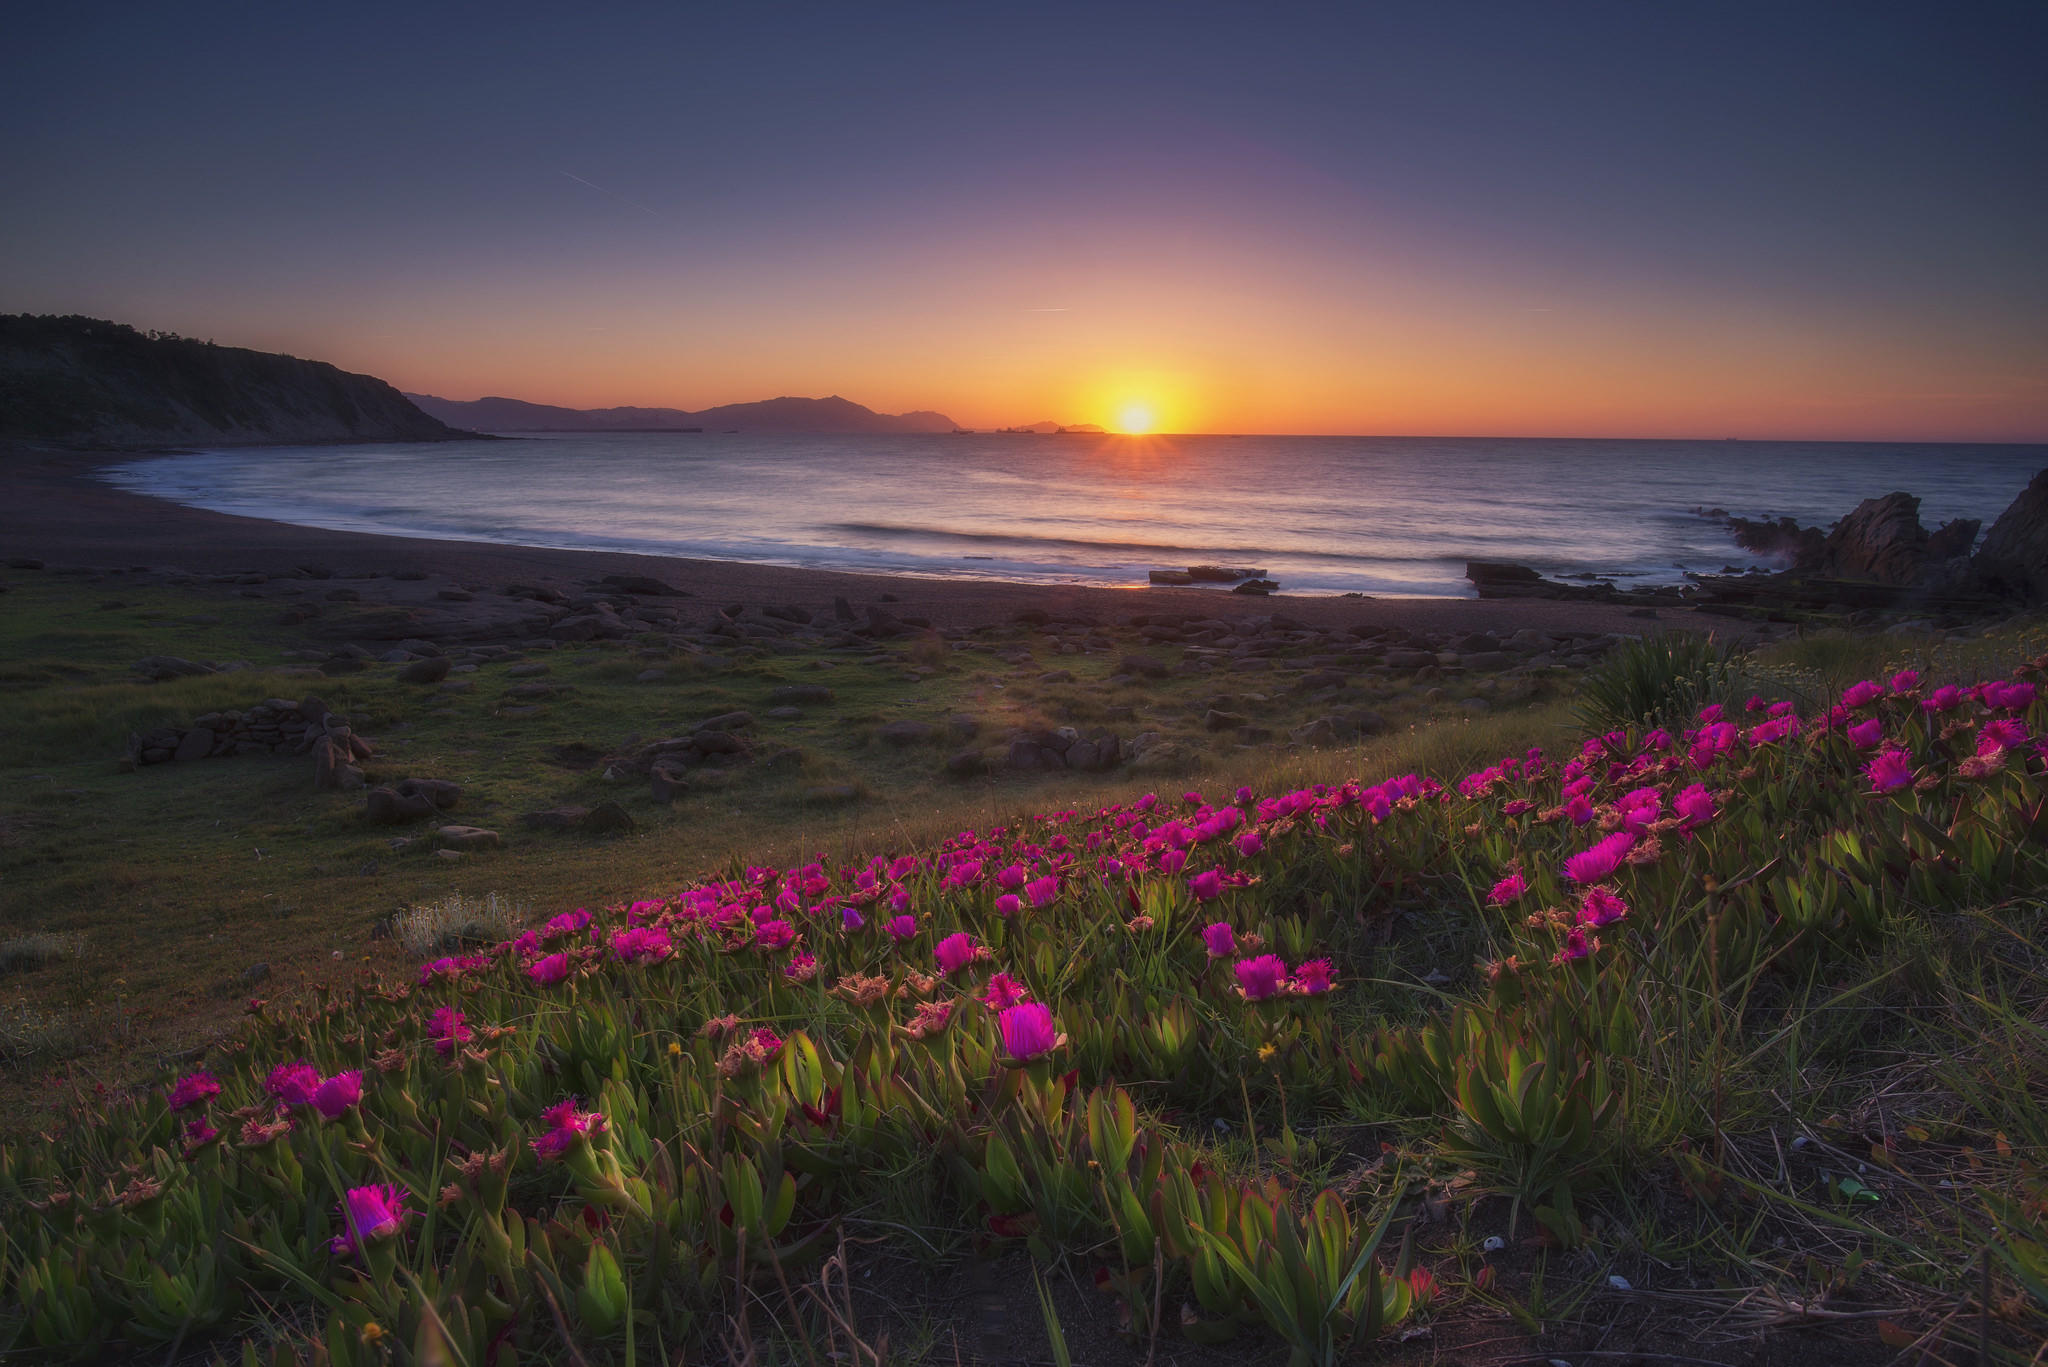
(194, 744)
(1409, 659)
(667, 782)
(1475, 705)
(385, 807)
(1882, 539)
(1025, 755)
(341, 664)
(963, 727)
(1476, 643)
(255, 973)
(428, 671)
(649, 676)
(469, 838)
(642, 586)
(449, 856)
(1170, 578)
(801, 695)
(1498, 659)
(527, 669)
(1487, 573)
(459, 686)
(1056, 676)
(843, 610)
(330, 758)
(727, 721)
(2013, 560)
(1218, 720)
(606, 818)
(966, 763)
(903, 734)
(1144, 666)
(784, 713)
(1952, 540)
(1257, 587)
(1163, 758)
(160, 667)
(455, 596)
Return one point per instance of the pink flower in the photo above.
(566, 1126)
(1003, 992)
(801, 968)
(2003, 733)
(1576, 946)
(1601, 908)
(1892, 769)
(1207, 885)
(369, 1214)
(774, 935)
(199, 1132)
(1862, 694)
(1864, 735)
(765, 1043)
(194, 1089)
(447, 1029)
(1172, 861)
(549, 970)
(1043, 892)
(1508, 889)
(1579, 809)
(1695, 805)
(1314, 978)
(1905, 681)
(1028, 1030)
(2001, 696)
(955, 952)
(642, 945)
(851, 919)
(293, 1083)
(1260, 978)
(1008, 905)
(1597, 863)
(1250, 843)
(1945, 699)
(568, 923)
(1220, 939)
(338, 1095)
(901, 928)
(1012, 877)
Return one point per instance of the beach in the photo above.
(54, 509)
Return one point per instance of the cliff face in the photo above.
(91, 383)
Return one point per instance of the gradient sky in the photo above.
(1792, 220)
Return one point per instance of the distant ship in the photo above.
(963, 431)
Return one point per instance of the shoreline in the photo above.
(54, 509)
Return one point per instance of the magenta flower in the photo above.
(646, 944)
(1220, 939)
(1892, 769)
(1695, 805)
(1043, 892)
(1945, 699)
(566, 1126)
(801, 968)
(445, 1024)
(568, 923)
(1865, 735)
(1173, 861)
(774, 935)
(1249, 843)
(1207, 885)
(1008, 904)
(1905, 681)
(293, 1083)
(1601, 908)
(1862, 694)
(1012, 877)
(1579, 810)
(337, 1096)
(367, 1215)
(1260, 978)
(955, 952)
(2001, 696)
(1576, 946)
(194, 1089)
(851, 919)
(1508, 889)
(1028, 1030)
(901, 928)
(1314, 978)
(199, 1132)
(549, 970)
(1710, 714)
(1003, 992)
(1599, 862)
(2003, 733)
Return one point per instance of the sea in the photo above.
(1383, 516)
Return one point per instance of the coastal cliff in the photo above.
(86, 382)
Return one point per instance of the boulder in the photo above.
(469, 838)
(903, 734)
(607, 817)
(332, 765)
(431, 670)
(668, 782)
(1881, 540)
(2013, 560)
(194, 744)
(966, 763)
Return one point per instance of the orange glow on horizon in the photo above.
(1134, 419)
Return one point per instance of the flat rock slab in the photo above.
(469, 838)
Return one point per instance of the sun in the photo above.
(1134, 419)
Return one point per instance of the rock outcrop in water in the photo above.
(86, 382)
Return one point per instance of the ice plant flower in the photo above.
(955, 952)
(1597, 863)
(1003, 992)
(901, 928)
(1601, 908)
(2002, 696)
(642, 945)
(1865, 735)
(1012, 877)
(1028, 1031)
(774, 935)
(194, 1089)
(1508, 889)
(1008, 904)
(1314, 978)
(2003, 733)
(199, 1132)
(1694, 805)
(1207, 885)
(449, 1033)
(368, 1215)
(1577, 945)
(1945, 699)
(1220, 939)
(851, 919)
(801, 968)
(1892, 769)
(293, 1083)
(1250, 843)
(1043, 892)
(1905, 681)
(336, 1096)
(1260, 978)
(1862, 694)
(566, 1126)
(549, 969)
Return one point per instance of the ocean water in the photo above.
(1394, 516)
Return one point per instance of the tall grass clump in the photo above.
(1655, 681)
(457, 922)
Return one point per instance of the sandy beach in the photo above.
(53, 509)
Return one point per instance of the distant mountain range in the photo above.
(832, 414)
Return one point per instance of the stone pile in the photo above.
(276, 726)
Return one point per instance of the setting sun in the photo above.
(1134, 419)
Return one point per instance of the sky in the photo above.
(1783, 220)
